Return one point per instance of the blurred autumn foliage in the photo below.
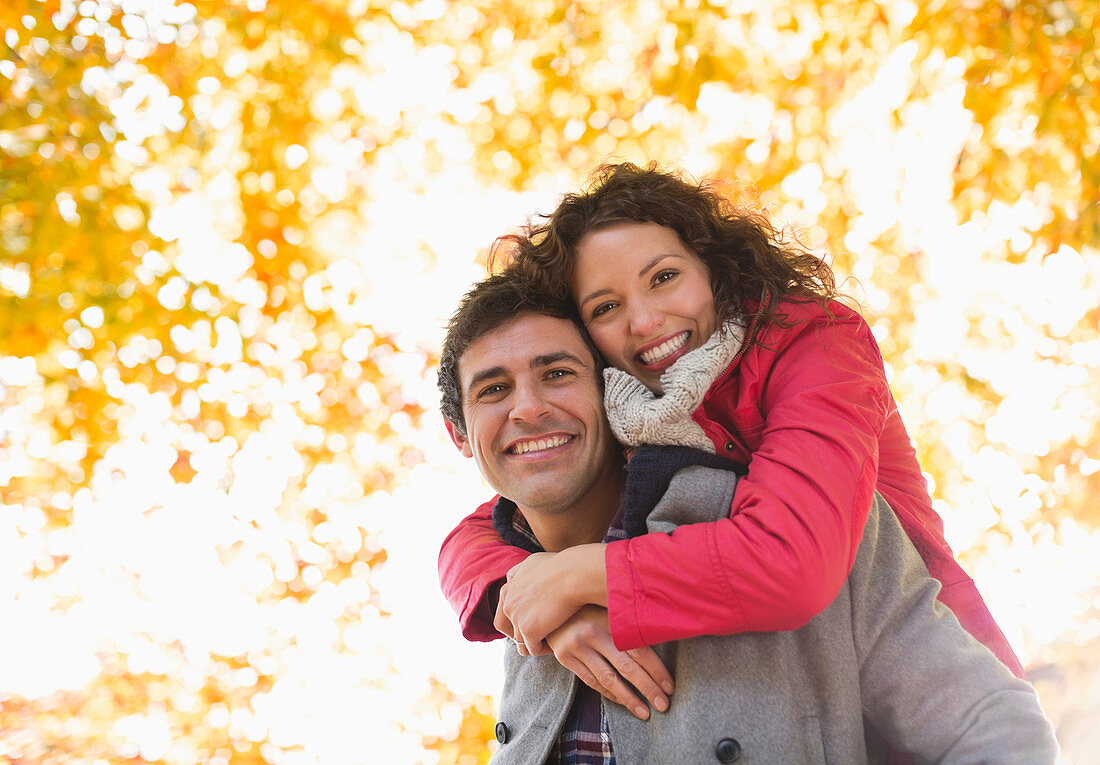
(224, 227)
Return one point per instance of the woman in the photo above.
(736, 343)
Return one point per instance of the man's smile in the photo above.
(532, 445)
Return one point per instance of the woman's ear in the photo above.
(459, 439)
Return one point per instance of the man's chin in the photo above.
(546, 492)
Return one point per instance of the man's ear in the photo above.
(460, 440)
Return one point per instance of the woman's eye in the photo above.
(664, 276)
(600, 310)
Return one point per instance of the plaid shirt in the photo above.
(584, 738)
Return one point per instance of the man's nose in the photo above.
(528, 404)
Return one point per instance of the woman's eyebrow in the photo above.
(649, 266)
(656, 259)
(593, 295)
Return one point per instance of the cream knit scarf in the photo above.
(640, 416)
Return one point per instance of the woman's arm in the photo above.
(545, 590)
(473, 564)
(811, 402)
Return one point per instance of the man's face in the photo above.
(535, 422)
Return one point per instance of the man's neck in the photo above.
(586, 521)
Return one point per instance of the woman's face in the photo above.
(644, 296)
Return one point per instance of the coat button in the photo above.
(502, 733)
(729, 446)
(728, 750)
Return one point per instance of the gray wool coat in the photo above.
(884, 660)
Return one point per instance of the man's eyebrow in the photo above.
(483, 375)
(649, 266)
(547, 359)
(542, 360)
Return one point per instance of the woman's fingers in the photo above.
(601, 677)
(647, 678)
(501, 621)
(531, 602)
(584, 646)
(653, 668)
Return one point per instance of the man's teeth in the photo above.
(666, 348)
(537, 446)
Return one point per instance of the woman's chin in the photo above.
(650, 379)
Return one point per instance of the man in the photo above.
(522, 397)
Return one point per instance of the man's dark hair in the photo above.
(490, 304)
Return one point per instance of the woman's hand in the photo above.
(583, 646)
(545, 590)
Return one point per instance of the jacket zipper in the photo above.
(765, 299)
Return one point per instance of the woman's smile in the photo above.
(644, 296)
(664, 349)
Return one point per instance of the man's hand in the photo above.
(583, 646)
(545, 590)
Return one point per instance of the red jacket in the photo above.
(809, 409)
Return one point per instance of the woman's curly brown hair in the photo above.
(748, 263)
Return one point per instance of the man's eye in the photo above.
(490, 390)
(557, 374)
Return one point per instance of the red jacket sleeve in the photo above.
(810, 402)
(472, 559)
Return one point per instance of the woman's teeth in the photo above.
(665, 349)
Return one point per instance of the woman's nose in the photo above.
(645, 320)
